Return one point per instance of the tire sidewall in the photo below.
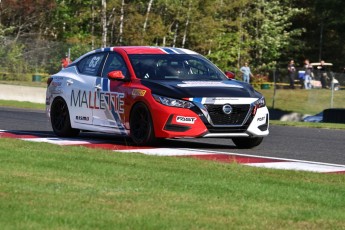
(150, 135)
(66, 130)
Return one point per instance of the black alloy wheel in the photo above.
(141, 125)
(60, 120)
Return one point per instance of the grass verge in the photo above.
(308, 124)
(47, 186)
(304, 101)
(22, 104)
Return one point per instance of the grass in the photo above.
(308, 124)
(47, 186)
(25, 83)
(304, 101)
(22, 104)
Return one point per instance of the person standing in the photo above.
(65, 61)
(323, 74)
(246, 73)
(307, 74)
(292, 72)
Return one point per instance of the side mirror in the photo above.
(229, 75)
(116, 75)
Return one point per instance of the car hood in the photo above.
(189, 89)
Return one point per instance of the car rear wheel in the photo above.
(60, 120)
(141, 125)
(247, 142)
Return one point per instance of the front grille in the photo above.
(236, 117)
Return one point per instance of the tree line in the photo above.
(35, 34)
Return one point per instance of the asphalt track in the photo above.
(302, 144)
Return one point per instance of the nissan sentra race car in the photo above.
(149, 93)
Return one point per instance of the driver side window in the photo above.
(91, 64)
(114, 62)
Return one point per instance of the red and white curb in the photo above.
(250, 160)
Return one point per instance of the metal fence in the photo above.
(22, 58)
(294, 104)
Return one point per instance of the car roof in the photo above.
(140, 50)
(153, 50)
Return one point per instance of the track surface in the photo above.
(304, 144)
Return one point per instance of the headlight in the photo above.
(172, 102)
(260, 103)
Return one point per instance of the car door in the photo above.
(83, 88)
(111, 96)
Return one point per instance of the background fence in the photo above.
(22, 59)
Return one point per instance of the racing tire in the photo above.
(247, 142)
(60, 119)
(141, 125)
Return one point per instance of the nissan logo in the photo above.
(227, 109)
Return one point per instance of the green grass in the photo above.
(25, 83)
(45, 186)
(304, 101)
(308, 124)
(22, 104)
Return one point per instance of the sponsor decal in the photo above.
(207, 84)
(261, 118)
(225, 99)
(138, 92)
(98, 100)
(186, 120)
(82, 118)
(222, 100)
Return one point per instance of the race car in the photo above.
(149, 93)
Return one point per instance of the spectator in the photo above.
(307, 74)
(65, 61)
(246, 72)
(323, 74)
(292, 71)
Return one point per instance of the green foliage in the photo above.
(14, 62)
(225, 56)
(270, 27)
(266, 33)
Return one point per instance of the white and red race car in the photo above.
(149, 93)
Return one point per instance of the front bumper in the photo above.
(178, 122)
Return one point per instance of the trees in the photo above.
(271, 29)
(229, 32)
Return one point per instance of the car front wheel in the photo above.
(60, 120)
(247, 142)
(141, 125)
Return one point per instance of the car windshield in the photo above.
(175, 67)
